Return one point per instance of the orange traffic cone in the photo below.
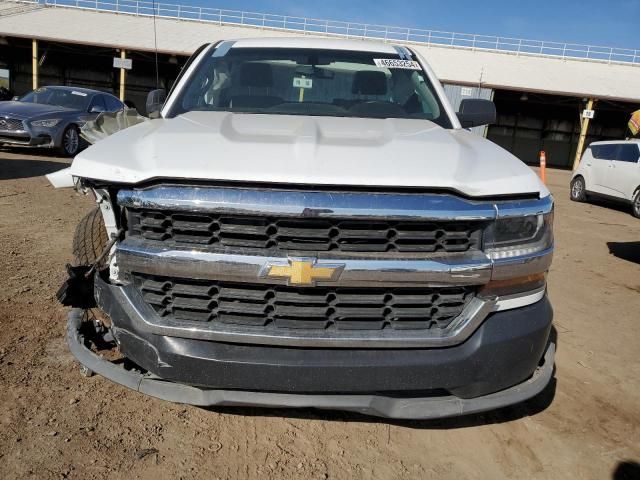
(543, 166)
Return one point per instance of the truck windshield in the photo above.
(311, 82)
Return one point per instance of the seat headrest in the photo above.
(369, 82)
(256, 75)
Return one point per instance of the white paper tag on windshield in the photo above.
(300, 82)
(396, 63)
(82, 94)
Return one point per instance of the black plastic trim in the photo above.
(377, 405)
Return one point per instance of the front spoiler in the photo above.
(375, 405)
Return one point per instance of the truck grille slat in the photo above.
(416, 312)
(242, 293)
(188, 303)
(249, 320)
(187, 227)
(155, 299)
(226, 229)
(325, 308)
(295, 311)
(258, 233)
(155, 223)
(236, 306)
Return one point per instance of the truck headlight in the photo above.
(48, 123)
(510, 237)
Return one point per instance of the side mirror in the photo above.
(16, 98)
(96, 109)
(475, 112)
(155, 100)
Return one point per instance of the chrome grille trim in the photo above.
(304, 204)
(470, 268)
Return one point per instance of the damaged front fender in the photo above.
(106, 124)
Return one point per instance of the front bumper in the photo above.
(25, 140)
(419, 408)
(29, 136)
(508, 359)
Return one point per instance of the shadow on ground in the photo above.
(629, 251)
(15, 168)
(627, 470)
(611, 204)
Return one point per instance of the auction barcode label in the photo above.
(396, 63)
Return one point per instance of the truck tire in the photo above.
(90, 238)
(578, 191)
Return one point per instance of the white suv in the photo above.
(610, 170)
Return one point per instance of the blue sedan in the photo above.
(51, 117)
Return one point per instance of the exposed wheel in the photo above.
(636, 205)
(578, 190)
(70, 141)
(90, 238)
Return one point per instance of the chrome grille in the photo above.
(11, 124)
(319, 308)
(303, 234)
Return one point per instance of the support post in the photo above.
(584, 130)
(123, 55)
(34, 63)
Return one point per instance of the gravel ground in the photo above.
(56, 424)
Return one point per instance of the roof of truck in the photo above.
(311, 42)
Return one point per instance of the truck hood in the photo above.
(223, 146)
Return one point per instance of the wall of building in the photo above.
(86, 66)
(529, 122)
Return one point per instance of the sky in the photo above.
(614, 23)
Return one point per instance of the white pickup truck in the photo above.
(307, 223)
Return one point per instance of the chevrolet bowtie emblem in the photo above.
(302, 271)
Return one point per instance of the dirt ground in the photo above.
(56, 424)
